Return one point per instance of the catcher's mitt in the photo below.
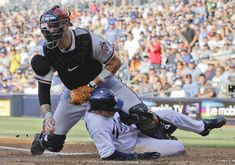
(80, 95)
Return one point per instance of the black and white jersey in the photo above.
(81, 63)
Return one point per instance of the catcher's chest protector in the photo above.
(77, 67)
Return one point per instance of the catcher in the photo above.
(115, 139)
(84, 62)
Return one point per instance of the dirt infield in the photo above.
(16, 151)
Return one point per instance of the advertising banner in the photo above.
(5, 108)
(195, 108)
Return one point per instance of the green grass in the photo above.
(12, 126)
(223, 137)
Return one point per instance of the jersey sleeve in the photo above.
(100, 130)
(102, 50)
(104, 143)
(47, 78)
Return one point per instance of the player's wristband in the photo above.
(48, 115)
(105, 75)
(93, 85)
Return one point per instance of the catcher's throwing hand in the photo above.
(80, 95)
(49, 125)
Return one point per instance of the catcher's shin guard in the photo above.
(37, 146)
(149, 123)
(161, 130)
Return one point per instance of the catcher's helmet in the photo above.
(103, 99)
(51, 25)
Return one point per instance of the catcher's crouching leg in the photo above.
(150, 124)
(51, 142)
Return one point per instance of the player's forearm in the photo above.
(114, 64)
(44, 99)
(109, 70)
(44, 93)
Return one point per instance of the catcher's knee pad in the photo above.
(53, 142)
(135, 114)
(138, 108)
(159, 130)
(149, 123)
(140, 112)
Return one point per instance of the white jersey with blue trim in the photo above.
(103, 51)
(110, 134)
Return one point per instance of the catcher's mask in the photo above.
(103, 99)
(52, 24)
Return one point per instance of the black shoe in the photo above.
(37, 147)
(213, 123)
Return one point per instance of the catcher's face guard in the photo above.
(52, 24)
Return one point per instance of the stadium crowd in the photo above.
(181, 49)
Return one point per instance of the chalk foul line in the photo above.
(47, 152)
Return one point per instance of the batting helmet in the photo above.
(52, 24)
(103, 99)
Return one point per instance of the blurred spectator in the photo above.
(196, 52)
(203, 65)
(24, 58)
(164, 72)
(137, 30)
(205, 88)
(144, 65)
(200, 11)
(185, 56)
(177, 90)
(193, 70)
(190, 35)
(31, 88)
(229, 73)
(1, 78)
(4, 89)
(134, 66)
(14, 57)
(190, 87)
(111, 33)
(154, 51)
(206, 52)
(131, 46)
(181, 69)
(144, 87)
(217, 82)
(152, 75)
(158, 90)
(166, 85)
(210, 72)
(3, 49)
(4, 64)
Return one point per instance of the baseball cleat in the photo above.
(213, 123)
(37, 147)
